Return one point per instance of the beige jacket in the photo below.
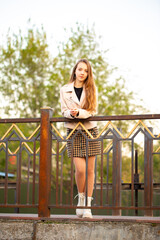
(69, 100)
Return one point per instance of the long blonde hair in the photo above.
(91, 100)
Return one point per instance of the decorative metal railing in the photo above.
(37, 157)
(20, 156)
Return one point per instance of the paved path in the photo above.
(75, 218)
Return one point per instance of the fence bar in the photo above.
(116, 176)
(61, 180)
(107, 185)
(34, 176)
(45, 163)
(57, 174)
(6, 177)
(101, 194)
(148, 172)
(136, 180)
(132, 174)
(28, 177)
(19, 161)
(71, 186)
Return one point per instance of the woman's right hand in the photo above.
(74, 112)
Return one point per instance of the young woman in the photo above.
(79, 100)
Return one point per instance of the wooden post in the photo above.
(116, 175)
(148, 172)
(45, 163)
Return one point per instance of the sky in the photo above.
(130, 29)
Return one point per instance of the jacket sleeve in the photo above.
(64, 109)
(83, 113)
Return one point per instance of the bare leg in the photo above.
(80, 170)
(80, 174)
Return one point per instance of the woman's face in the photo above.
(81, 72)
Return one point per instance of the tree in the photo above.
(30, 77)
(24, 72)
(83, 43)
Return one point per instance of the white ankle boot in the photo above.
(81, 203)
(87, 212)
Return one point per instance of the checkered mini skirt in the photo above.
(77, 143)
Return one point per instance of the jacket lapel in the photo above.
(74, 98)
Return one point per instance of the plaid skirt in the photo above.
(79, 143)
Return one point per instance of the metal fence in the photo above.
(40, 161)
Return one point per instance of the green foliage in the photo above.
(31, 77)
(24, 70)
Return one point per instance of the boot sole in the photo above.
(87, 216)
(80, 216)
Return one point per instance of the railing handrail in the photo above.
(94, 118)
(109, 118)
(20, 120)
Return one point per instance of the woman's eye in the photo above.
(80, 69)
